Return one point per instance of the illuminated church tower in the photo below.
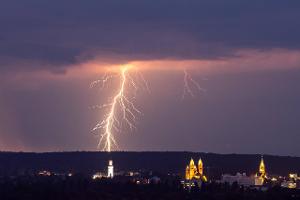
(262, 174)
(200, 167)
(193, 169)
(193, 172)
(187, 173)
(110, 169)
(262, 168)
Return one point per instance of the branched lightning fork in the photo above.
(121, 109)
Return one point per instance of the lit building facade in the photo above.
(240, 179)
(243, 179)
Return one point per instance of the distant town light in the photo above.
(97, 176)
(274, 179)
(44, 173)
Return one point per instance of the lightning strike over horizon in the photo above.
(121, 110)
(120, 102)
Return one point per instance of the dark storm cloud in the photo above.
(54, 34)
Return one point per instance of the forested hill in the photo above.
(171, 162)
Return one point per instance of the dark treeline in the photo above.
(165, 162)
(82, 188)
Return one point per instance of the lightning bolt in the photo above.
(120, 102)
(121, 110)
(190, 85)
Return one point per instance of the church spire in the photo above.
(262, 167)
(193, 169)
(187, 173)
(200, 167)
(192, 163)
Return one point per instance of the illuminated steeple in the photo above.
(262, 168)
(192, 163)
(261, 176)
(187, 173)
(200, 167)
(193, 168)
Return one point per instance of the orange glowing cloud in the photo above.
(249, 60)
(243, 61)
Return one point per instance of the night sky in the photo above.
(244, 54)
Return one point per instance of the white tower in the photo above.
(110, 169)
